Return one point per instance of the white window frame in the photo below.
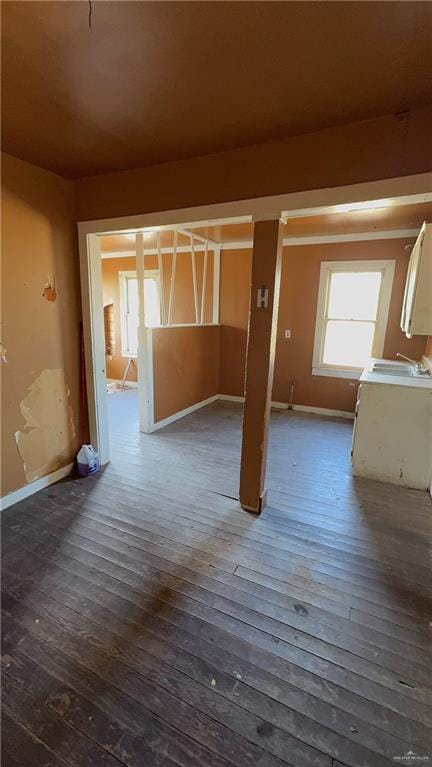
(319, 368)
(123, 277)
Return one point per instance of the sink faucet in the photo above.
(408, 359)
(419, 367)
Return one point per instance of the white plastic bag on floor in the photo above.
(87, 461)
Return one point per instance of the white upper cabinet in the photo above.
(416, 316)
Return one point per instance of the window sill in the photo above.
(337, 373)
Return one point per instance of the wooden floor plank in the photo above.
(116, 529)
(21, 746)
(280, 537)
(225, 684)
(130, 733)
(67, 742)
(147, 619)
(197, 623)
(361, 642)
(224, 552)
(193, 637)
(145, 694)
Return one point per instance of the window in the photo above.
(352, 310)
(129, 317)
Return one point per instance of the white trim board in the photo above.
(323, 239)
(181, 413)
(39, 484)
(230, 398)
(301, 408)
(199, 248)
(33, 487)
(351, 375)
(327, 270)
(127, 384)
(318, 239)
(413, 188)
(324, 411)
(411, 199)
(203, 403)
(175, 326)
(326, 239)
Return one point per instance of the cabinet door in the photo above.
(411, 286)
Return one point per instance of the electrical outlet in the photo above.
(287, 334)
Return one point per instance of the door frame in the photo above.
(401, 190)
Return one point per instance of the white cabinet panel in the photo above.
(416, 318)
(393, 434)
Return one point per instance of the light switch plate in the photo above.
(262, 297)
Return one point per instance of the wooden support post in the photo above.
(216, 283)
(261, 345)
(204, 284)
(144, 353)
(194, 278)
(161, 279)
(173, 276)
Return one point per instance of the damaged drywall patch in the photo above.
(49, 291)
(43, 444)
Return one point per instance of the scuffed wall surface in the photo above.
(38, 246)
(44, 442)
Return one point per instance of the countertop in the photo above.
(414, 382)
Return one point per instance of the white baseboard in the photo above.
(302, 408)
(39, 484)
(324, 411)
(230, 398)
(182, 413)
(33, 487)
(128, 384)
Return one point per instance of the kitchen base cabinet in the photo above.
(392, 440)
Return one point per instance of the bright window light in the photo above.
(151, 302)
(352, 312)
(348, 344)
(351, 316)
(129, 308)
(354, 295)
(131, 315)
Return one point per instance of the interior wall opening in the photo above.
(194, 350)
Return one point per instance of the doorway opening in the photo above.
(186, 354)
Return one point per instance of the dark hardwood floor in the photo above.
(147, 620)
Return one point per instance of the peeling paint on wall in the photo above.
(49, 291)
(43, 444)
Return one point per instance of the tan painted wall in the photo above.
(185, 367)
(298, 299)
(369, 150)
(235, 281)
(184, 311)
(38, 239)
